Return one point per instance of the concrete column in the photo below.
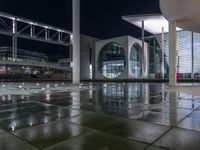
(14, 40)
(31, 31)
(143, 35)
(59, 38)
(143, 54)
(163, 53)
(76, 41)
(13, 48)
(172, 53)
(192, 54)
(46, 34)
(16, 47)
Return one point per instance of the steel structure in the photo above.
(24, 28)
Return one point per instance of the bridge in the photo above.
(18, 27)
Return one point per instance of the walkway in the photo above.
(99, 116)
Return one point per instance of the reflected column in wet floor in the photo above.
(145, 94)
(75, 96)
(173, 98)
(163, 92)
(96, 99)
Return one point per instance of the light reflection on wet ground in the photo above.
(63, 116)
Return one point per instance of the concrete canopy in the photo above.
(153, 23)
(185, 12)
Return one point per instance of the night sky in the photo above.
(99, 18)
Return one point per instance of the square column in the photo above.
(14, 40)
(76, 41)
(172, 53)
(145, 69)
(163, 53)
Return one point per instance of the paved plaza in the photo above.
(99, 116)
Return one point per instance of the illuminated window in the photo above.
(112, 60)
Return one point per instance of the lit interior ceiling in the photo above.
(152, 23)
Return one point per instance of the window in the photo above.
(112, 60)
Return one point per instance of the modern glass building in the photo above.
(113, 59)
(188, 54)
(188, 47)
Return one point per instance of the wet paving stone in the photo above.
(124, 113)
(190, 123)
(20, 113)
(183, 104)
(167, 110)
(13, 115)
(156, 148)
(10, 142)
(86, 107)
(154, 100)
(12, 125)
(14, 106)
(136, 130)
(96, 140)
(56, 100)
(6, 101)
(180, 139)
(131, 107)
(92, 120)
(195, 114)
(159, 118)
(63, 113)
(2, 131)
(48, 134)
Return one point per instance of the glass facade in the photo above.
(188, 53)
(112, 60)
(155, 55)
(136, 60)
(196, 38)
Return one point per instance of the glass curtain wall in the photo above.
(136, 60)
(184, 53)
(155, 55)
(196, 53)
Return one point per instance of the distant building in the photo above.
(65, 62)
(27, 62)
(22, 55)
